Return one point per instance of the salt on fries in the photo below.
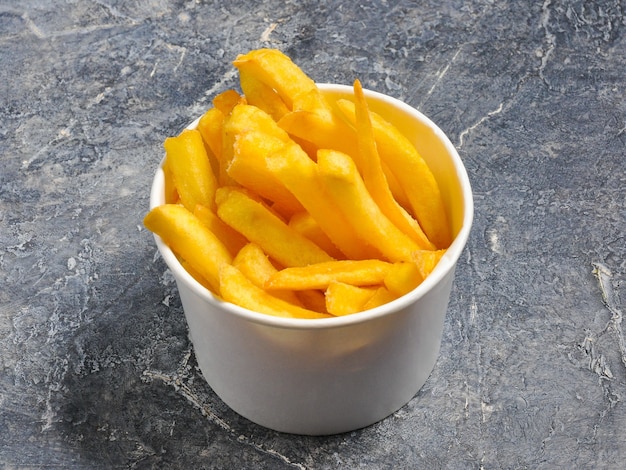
(286, 205)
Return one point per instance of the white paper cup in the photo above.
(328, 376)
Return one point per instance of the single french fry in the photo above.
(347, 189)
(426, 260)
(412, 172)
(313, 100)
(304, 223)
(402, 278)
(256, 266)
(196, 275)
(239, 290)
(191, 169)
(309, 148)
(262, 95)
(242, 119)
(300, 175)
(169, 188)
(312, 299)
(382, 296)
(210, 127)
(280, 73)
(345, 299)
(227, 100)
(248, 167)
(260, 225)
(319, 276)
(190, 239)
(374, 176)
(321, 130)
(396, 188)
(231, 239)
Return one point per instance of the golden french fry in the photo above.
(239, 290)
(187, 236)
(169, 188)
(403, 278)
(426, 260)
(231, 239)
(347, 189)
(309, 148)
(210, 127)
(303, 223)
(242, 119)
(196, 275)
(278, 72)
(382, 296)
(313, 101)
(248, 167)
(312, 299)
(191, 169)
(256, 266)
(374, 176)
(345, 299)
(227, 100)
(319, 276)
(261, 95)
(412, 172)
(321, 130)
(260, 225)
(396, 189)
(299, 174)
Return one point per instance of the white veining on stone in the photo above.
(612, 302)
(183, 382)
(482, 120)
(265, 36)
(442, 73)
(550, 39)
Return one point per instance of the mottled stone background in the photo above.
(96, 369)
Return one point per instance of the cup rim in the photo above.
(444, 266)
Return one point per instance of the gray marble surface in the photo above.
(96, 368)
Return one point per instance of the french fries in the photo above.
(288, 205)
(350, 196)
(277, 71)
(189, 238)
(261, 95)
(249, 168)
(260, 225)
(232, 240)
(320, 275)
(344, 299)
(374, 176)
(411, 171)
(301, 176)
(238, 289)
(191, 171)
(257, 267)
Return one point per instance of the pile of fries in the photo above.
(287, 204)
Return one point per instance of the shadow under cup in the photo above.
(334, 375)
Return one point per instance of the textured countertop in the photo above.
(96, 368)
